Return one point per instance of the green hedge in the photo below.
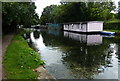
(112, 26)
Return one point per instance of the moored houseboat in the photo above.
(90, 26)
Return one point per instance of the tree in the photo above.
(119, 10)
(46, 14)
(80, 11)
(18, 13)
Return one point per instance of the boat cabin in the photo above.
(90, 26)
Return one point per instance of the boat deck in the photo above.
(97, 32)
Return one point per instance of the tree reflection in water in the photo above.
(36, 34)
(82, 59)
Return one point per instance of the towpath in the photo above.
(3, 45)
(43, 74)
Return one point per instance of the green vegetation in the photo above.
(20, 60)
(118, 31)
(112, 26)
(113, 21)
(18, 13)
(24, 30)
(78, 11)
(119, 10)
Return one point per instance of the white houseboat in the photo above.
(90, 26)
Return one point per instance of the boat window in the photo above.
(77, 26)
(81, 26)
(72, 26)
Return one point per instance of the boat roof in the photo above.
(81, 22)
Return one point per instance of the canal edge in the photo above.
(43, 73)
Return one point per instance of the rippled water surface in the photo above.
(77, 56)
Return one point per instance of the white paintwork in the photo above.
(92, 26)
(94, 39)
(83, 38)
(95, 26)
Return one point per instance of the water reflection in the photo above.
(77, 56)
(84, 38)
(36, 34)
(37, 40)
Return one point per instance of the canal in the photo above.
(77, 56)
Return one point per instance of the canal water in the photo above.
(77, 56)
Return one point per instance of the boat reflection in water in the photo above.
(77, 56)
(84, 38)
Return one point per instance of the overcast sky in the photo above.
(41, 4)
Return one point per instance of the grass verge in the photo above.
(117, 31)
(20, 60)
(113, 21)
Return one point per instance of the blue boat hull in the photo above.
(107, 33)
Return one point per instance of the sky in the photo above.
(41, 4)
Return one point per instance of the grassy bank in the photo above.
(117, 31)
(113, 21)
(20, 60)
